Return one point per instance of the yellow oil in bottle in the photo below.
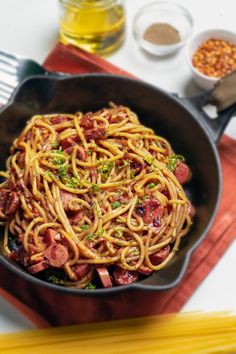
(95, 25)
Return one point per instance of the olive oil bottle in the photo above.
(95, 25)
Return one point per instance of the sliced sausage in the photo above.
(38, 267)
(87, 121)
(95, 133)
(71, 141)
(80, 154)
(104, 277)
(66, 197)
(49, 236)
(123, 277)
(191, 210)
(81, 270)
(160, 256)
(145, 270)
(12, 203)
(3, 199)
(59, 119)
(150, 211)
(76, 217)
(182, 172)
(56, 255)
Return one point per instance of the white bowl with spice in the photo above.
(211, 55)
(161, 28)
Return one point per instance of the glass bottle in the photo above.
(95, 25)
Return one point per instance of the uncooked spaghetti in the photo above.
(93, 199)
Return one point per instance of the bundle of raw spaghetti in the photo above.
(93, 199)
(193, 333)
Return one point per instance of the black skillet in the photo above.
(182, 121)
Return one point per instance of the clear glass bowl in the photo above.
(162, 12)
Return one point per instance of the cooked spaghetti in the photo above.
(93, 199)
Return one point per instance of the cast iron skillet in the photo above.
(182, 122)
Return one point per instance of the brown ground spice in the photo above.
(162, 33)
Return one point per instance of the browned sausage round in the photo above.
(12, 203)
(145, 270)
(191, 210)
(81, 270)
(104, 277)
(182, 172)
(38, 267)
(57, 255)
(66, 198)
(160, 256)
(122, 276)
(49, 236)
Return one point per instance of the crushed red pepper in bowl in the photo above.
(215, 58)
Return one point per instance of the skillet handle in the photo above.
(223, 96)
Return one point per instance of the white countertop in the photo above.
(30, 28)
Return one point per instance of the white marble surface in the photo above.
(30, 28)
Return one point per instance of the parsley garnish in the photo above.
(54, 280)
(90, 152)
(48, 173)
(173, 160)
(132, 174)
(90, 286)
(125, 163)
(149, 160)
(56, 144)
(115, 205)
(151, 185)
(58, 160)
(119, 233)
(105, 169)
(90, 236)
(85, 227)
(94, 187)
(72, 182)
(63, 172)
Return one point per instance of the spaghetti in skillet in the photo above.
(93, 199)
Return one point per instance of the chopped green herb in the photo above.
(85, 227)
(56, 144)
(90, 236)
(125, 163)
(105, 169)
(58, 160)
(100, 232)
(115, 205)
(94, 187)
(119, 233)
(90, 152)
(55, 276)
(90, 286)
(54, 280)
(63, 172)
(149, 160)
(48, 173)
(139, 202)
(72, 182)
(132, 174)
(151, 185)
(173, 161)
(58, 151)
(145, 197)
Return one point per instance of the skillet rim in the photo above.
(134, 286)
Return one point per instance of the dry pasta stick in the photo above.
(195, 333)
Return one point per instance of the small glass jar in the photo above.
(97, 26)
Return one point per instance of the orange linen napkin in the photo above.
(45, 307)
